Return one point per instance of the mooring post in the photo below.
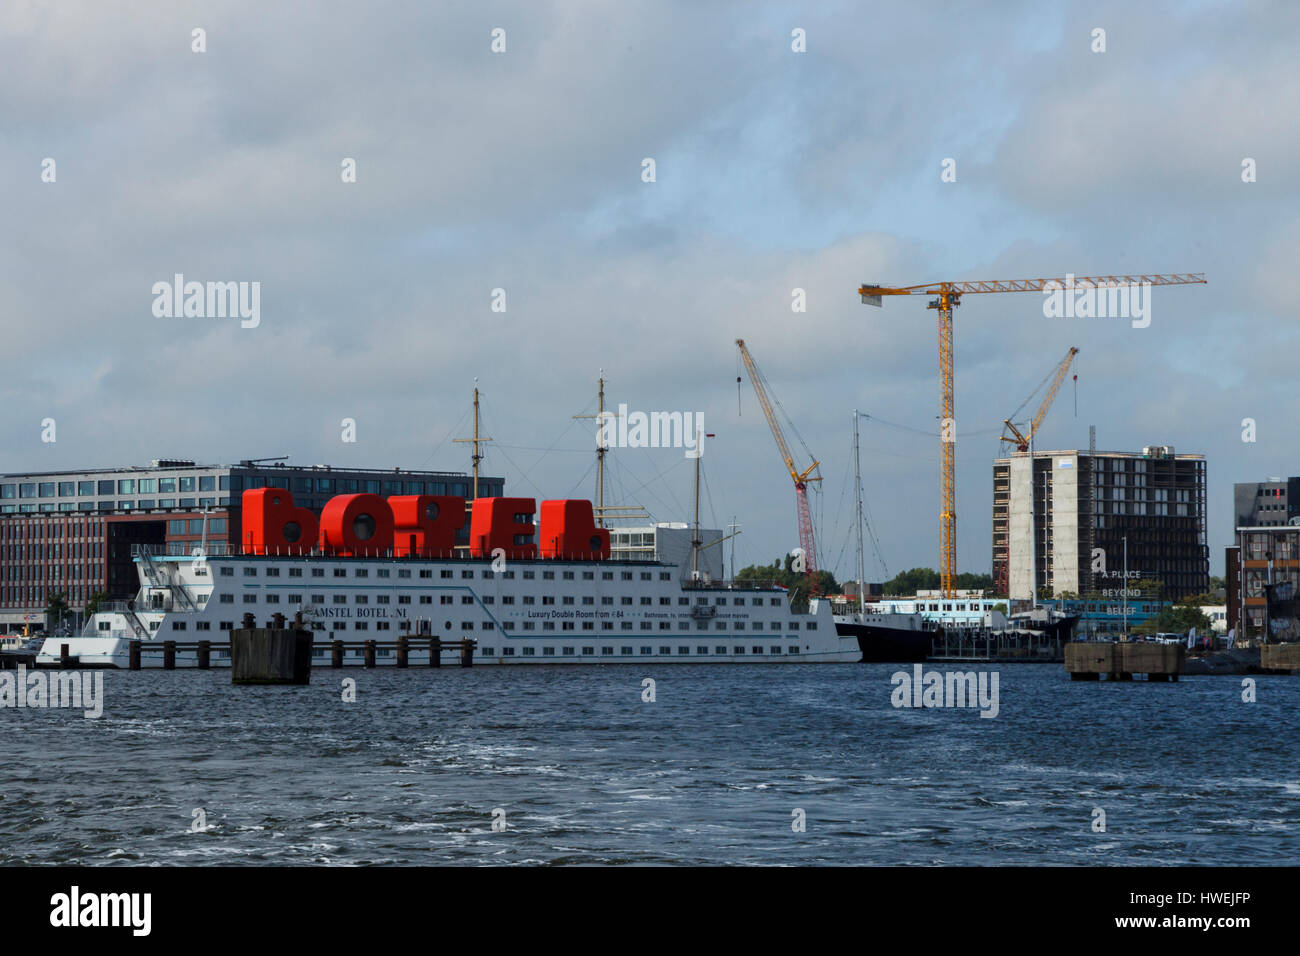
(467, 646)
(435, 650)
(205, 655)
(65, 659)
(133, 655)
(401, 650)
(169, 655)
(336, 653)
(370, 653)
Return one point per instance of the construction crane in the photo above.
(800, 478)
(947, 297)
(1057, 376)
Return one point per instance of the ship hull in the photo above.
(887, 645)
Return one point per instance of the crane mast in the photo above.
(800, 478)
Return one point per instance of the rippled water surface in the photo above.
(710, 772)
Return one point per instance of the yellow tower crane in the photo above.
(947, 297)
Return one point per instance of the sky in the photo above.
(522, 170)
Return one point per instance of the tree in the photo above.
(96, 599)
(56, 607)
(907, 583)
(969, 581)
(796, 582)
(1175, 619)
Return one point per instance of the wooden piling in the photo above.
(402, 648)
(467, 652)
(133, 655)
(169, 655)
(270, 655)
(204, 654)
(65, 659)
(336, 653)
(435, 651)
(370, 653)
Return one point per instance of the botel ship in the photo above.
(527, 593)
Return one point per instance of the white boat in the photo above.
(538, 611)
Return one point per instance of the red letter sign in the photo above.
(504, 523)
(353, 525)
(425, 526)
(272, 525)
(569, 531)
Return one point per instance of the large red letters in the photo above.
(569, 531)
(422, 526)
(272, 525)
(353, 525)
(502, 523)
(425, 526)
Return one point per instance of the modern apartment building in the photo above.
(1266, 504)
(1065, 521)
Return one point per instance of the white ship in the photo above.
(540, 611)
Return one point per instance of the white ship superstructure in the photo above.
(537, 611)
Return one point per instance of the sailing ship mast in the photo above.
(476, 440)
(601, 449)
(857, 470)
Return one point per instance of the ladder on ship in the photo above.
(163, 579)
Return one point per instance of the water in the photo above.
(709, 773)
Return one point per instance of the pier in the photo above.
(1120, 661)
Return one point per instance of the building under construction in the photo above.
(1086, 512)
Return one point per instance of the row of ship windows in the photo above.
(250, 571)
(143, 504)
(527, 625)
(547, 599)
(590, 651)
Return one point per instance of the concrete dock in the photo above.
(1279, 658)
(1089, 660)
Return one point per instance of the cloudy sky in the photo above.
(774, 170)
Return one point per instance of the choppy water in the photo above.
(711, 772)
